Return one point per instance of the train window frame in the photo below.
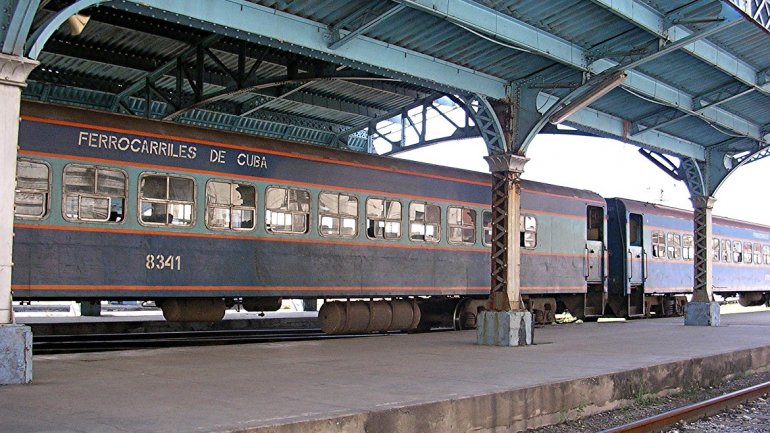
(383, 221)
(688, 247)
(716, 253)
(485, 229)
(339, 216)
(436, 238)
(46, 193)
(748, 252)
(757, 253)
(65, 195)
(230, 207)
(737, 249)
(727, 251)
(293, 213)
(167, 200)
(461, 225)
(673, 246)
(659, 245)
(524, 231)
(766, 253)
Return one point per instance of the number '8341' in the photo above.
(162, 262)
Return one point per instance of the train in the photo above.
(111, 207)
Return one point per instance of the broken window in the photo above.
(461, 223)
(93, 194)
(383, 218)
(230, 205)
(424, 222)
(338, 215)
(287, 210)
(33, 186)
(166, 200)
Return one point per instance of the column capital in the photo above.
(14, 70)
(506, 162)
(703, 201)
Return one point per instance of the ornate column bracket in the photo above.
(506, 169)
(14, 70)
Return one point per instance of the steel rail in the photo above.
(693, 411)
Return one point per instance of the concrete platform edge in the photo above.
(15, 354)
(519, 409)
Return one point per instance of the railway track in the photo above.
(60, 344)
(693, 411)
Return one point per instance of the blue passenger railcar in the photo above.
(651, 258)
(111, 207)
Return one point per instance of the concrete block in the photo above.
(505, 328)
(15, 354)
(701, 314)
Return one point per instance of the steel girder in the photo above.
(510, 30)
(760, 11)
(360, 21)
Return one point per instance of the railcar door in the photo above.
(594, 269)
(635, 250)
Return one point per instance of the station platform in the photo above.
(435, 382)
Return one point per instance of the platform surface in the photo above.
(233, 388)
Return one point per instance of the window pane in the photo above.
(30, 204)
(393, 210)
(179, 214)
(79, 179)
(748, 252)
(454, 216)
(299, 223)
(432, 214)
(375, 208)
(737, 252)
(275, 199)
(153, 212)
(219, 217)
(242, 219)
(328, 203)
(94, 208)
(299, 200)
(757, 254)
(530, 223)
(417, 212)
(348, 205)
(687, 247)
(330, 225)
(715, 249)
(486, 221)
(349, 227)
(31, 175)
(111, 183)
(218, 193)
(153, 187)
(244, 195)
(392, 230)
(180, 189)
(766, 253)
(530, 239)
(658, 244)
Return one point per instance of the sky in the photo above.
(612, 169)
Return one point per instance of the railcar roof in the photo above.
(637, 206)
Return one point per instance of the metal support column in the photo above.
(702, 310)
(506, 249)
(15, 341)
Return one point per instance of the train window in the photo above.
(673, 246)
(33, 185)
(461, 223)
(634, 230)
(338, 215)
(688, 248)
(726, 250)
(230, 205)
(424, 222)
(748, 252)
(166, 200)
(757, 254)
(766, 254)
(658, 244)
(93, 194)
(383, 218)
(737, 252)
(594, 223)
(528, 230)
(715, 249)
(486, 222)
(287, 210)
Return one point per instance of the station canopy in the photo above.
(677, 77)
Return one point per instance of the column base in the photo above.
(15, 354)
(505, 328)
(701, 314)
